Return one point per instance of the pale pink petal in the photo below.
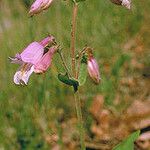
(47, 40)
(33, 53)
(45, 61)
(47, 4)
(21, 77)
(93, 70)
(36, 7)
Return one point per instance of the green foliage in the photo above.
(27, 3)
(101, 25)
(128, 144)
(68, 81)
(119, 63)
(82, 74)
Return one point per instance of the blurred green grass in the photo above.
(101, 25)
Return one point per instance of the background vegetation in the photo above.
(31, 116)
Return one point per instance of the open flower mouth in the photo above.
(37, 58)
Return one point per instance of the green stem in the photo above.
(76, 95)
(63, 61)
(80, 120)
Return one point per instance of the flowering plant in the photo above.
(37, 58)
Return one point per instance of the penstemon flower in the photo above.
(93, 68)
(126, 3)
(38, 6)
(44, 63)
(29, 58)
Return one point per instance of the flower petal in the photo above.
(93, 70)
(33, 53)
(45, 61)
(48, 40)
(21, 77)
(36, 7)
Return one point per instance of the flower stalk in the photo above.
(73, 37)
(76, 95)
(63, 62)
(80, 120)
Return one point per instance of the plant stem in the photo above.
(76, 95)
(73, 37)
(63, 61)
(80, 121)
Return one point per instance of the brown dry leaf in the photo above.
(135, 64)
(97, 106)
(138, 109)
(100, 133)
(56, 147)
(140, 124)
(104, 119)
(130, 44)
(127, 81)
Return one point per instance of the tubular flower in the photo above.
(45, 62)
(92, 67)
(38, 6)
(28, 59)
(93, 70)
(47, 41)
(126, 3)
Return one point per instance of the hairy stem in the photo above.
(73, 37)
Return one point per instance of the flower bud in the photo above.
(38, 6)
(126, 3)
(92, 66)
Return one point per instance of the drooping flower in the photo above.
(93, 68)
(38, 6)
(29, 58)
(126, 3)
(47, 41)
(45, 62)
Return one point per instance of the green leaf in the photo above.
(69, 81)
(82, 74)
(128, 144)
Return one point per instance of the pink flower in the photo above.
(29, 58)
(93, 69)
(45, 62)
(38, 6)
(126, 3)
(48, 40)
